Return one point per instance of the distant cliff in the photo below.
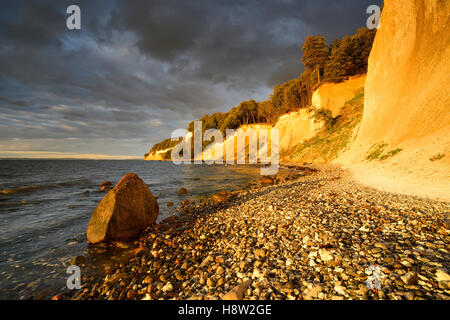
(303, 136)
(162, 150)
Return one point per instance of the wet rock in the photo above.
(105, 184)
(170, 219)
(219, 198)
(185, 203)
(124, 212)
(78, 261)
(267, 180)
(222, 193)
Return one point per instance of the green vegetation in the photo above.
(166, 144)
(390, 154)
(335, 135)
(376, 152)
(436, 157)
(315, 54)
(349, 56)
(345, 57)
(323, 115)
(323, 63)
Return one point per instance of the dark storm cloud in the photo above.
(140, 69)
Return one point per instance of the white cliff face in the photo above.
(333, 96)
(407, 87)
(293, 128)
(217, 151)
(296, 127)
(407, 101)
(156, 155)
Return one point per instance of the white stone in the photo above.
(340, 290)
(168, 287)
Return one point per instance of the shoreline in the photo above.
(309, 237)
(383, 179)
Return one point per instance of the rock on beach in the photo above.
(124, 212)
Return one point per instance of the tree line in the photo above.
(323, 63)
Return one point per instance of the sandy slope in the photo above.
(409, 172)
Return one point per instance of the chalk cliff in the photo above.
(333, 96)
(407, 101)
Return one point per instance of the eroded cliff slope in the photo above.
(403, 141)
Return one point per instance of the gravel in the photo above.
(311, 235)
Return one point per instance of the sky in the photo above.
(138, 70)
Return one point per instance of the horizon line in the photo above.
(53, 155)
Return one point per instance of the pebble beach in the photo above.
(315, 234)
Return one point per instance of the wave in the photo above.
(16, 203)
(44, 186)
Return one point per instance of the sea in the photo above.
(45, 207)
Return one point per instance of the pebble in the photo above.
(409, 278)
(237, 293)
(294, 239)
(167, 287)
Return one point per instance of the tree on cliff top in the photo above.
(315, 53)
(345, 57)
(349, 56)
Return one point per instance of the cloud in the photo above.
(139, 69)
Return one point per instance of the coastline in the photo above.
(307, 237)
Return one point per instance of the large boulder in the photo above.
(124, 212)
